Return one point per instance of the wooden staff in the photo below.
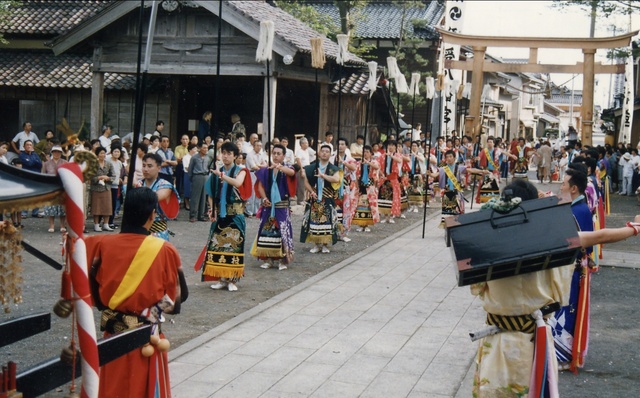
(141, 81)
(318, 61)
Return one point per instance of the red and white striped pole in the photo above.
(76, 251)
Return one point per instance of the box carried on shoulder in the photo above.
(536, 235)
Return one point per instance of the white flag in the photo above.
(624, 135)
(454, 17)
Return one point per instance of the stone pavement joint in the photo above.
(387, 322)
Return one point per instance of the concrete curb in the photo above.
(247, 315)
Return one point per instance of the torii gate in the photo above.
(588, 68)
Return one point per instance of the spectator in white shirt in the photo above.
(303, 158)
(289, 157)
(255, 160)
(105, 141)
(25, 135)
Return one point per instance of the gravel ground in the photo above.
(205, 308)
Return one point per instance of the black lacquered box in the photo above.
(538, 234)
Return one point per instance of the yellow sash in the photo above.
(490, 159)
(141, 263)
(454, 180)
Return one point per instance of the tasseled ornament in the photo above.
(317, 53)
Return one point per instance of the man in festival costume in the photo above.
(275, 185)
(490, 159)
(168, 199)
(346, 190)
(390, 191)
(520, 152)
(228, 188)
(570, 325)
(134, 278)
(320, 225)
(367, 213)
(512, 363)
(449, 177)
(416, 167)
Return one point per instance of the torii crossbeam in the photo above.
(588, 68)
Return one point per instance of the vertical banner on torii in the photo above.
(624, 136)
(454, 17)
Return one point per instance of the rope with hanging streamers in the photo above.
(318, 58)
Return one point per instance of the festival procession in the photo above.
(319, 198)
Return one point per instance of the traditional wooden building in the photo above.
(86, 70)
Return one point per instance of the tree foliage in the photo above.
(317, 21)
(5, 10)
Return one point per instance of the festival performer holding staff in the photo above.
(168, 199)
(449, 177)
(367, 213)
(132, 285)
(345, 195)
(390, 191)
(520, 155)
(275, 185)
(490, 160)
(228, 188)
(416, 167)
(320, 220)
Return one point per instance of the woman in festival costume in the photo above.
(346, 190)
(415, 189)
(490, 158)
(520, 157)
(390, 191)
(319, 225)
(515, 361)
(275, 185)
(367, 213)
(227, 188)
(449, 177)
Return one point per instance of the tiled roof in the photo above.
(49, 17)
(288, 28)
(381, 20)
(43, 69)
(355, 83)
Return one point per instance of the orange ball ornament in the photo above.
(164, 345)
(147, 350)
(154, 339)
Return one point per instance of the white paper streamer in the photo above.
(466, 92)
(401, 84)
(392, 65)
(487, 92)
(372, 82)
(343, 49)
(414, 88)
(430, 88)
(265, 44)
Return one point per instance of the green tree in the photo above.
(5, 11)
(406, 51)
(597, 8)
(350, 13)
(321, 23)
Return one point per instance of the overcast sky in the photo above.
(540, 19)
